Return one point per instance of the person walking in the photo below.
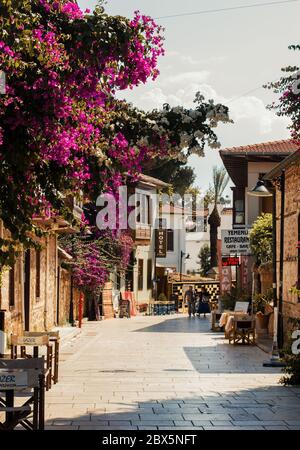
(203, 305)
(189, 298)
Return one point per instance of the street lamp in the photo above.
(181, 257)
(260, 190)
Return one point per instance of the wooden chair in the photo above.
(20, 344)
(243, 331)
(54, 339)
(215, 317)
(25, 378)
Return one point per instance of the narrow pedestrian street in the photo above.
(166, 372)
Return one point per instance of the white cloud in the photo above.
(191, 60)
(253, 109)
(180, 89)
(187, 77)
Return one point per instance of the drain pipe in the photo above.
(2, 333)
(46, 283)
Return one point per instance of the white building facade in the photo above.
(196, 240)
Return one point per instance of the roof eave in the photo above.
(287, 162)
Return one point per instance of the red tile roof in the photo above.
(274, 147)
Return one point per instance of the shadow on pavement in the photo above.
(265, 408)
(179, 325)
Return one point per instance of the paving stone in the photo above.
(183, 423)
(206, 417)
(181, 428)
(264, 423)
(161, 416)
(153, 422)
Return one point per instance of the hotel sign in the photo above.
(161, 243)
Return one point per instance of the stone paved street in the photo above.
(166, 372)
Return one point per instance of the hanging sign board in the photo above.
(230, 261)
(235, 242)
(161, 243)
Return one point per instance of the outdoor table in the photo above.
(227, 320)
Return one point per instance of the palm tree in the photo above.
(220, 181)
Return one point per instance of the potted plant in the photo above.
(291, 357)
(229, 299)
(260, 302)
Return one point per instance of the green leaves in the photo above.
(261, 239)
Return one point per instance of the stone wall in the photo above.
(291, 305)
(42, 308)
(64, 296)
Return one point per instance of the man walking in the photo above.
(189, 298)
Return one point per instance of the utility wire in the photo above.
(207, 11)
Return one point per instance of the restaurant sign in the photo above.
(235, 242)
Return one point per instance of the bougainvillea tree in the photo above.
(62, 129)
(95, 256)
(289, 102)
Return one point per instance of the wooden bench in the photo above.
(21, 343)
(22, 377)
(243, 331)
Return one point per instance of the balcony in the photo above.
(142, 234)
(59, 224)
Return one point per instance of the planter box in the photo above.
(261, 325)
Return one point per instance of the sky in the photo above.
(228, 56)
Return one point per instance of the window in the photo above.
(143, 202)
(118, 281)
(11, 286)
(149, 274)
(148, 206)
(170, 240)
(140, 274)
(239, 206)
(38, 273)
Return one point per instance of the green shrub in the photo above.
(261, 239)
(260, 301)
(292, 369)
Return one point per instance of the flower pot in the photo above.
(262, 322)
